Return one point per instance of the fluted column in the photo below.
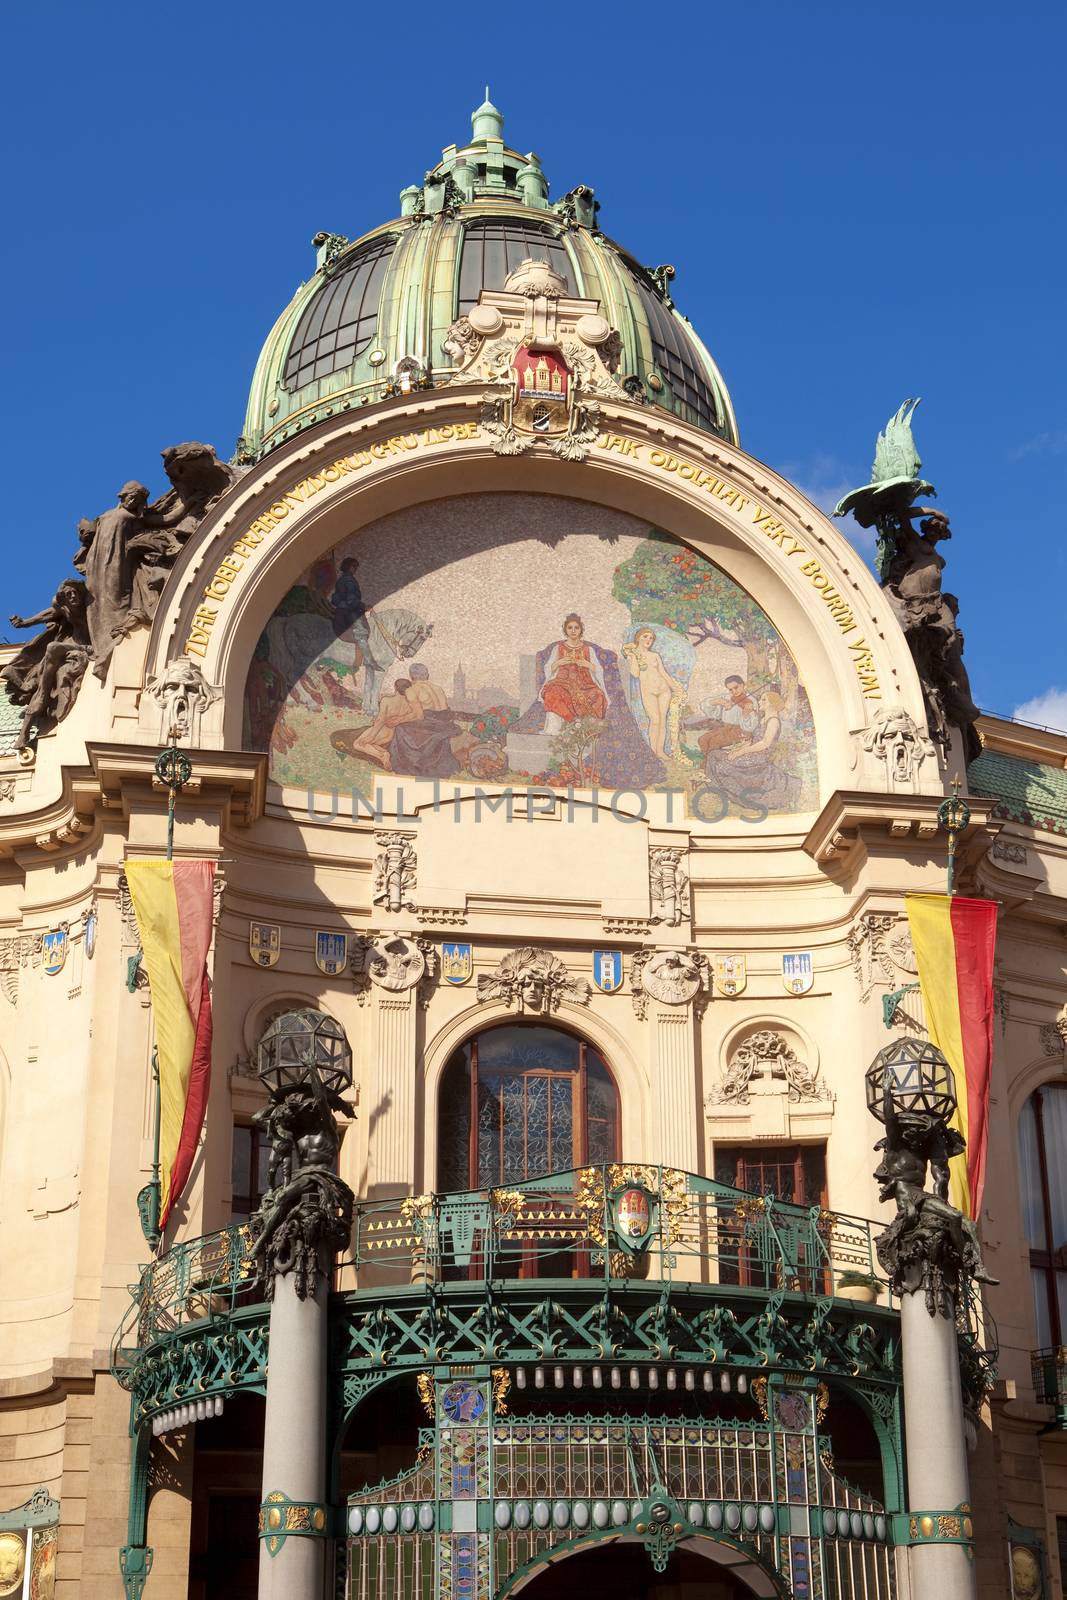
(392, 1113)
(674, 1080)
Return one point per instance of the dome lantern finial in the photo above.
(487, 122)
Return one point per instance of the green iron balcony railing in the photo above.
(624, 1220)
(612, 1223)
(1049, 1371)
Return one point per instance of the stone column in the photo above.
(936, 1447)
(304, 1219)
(294, 1442)
(674, 1076)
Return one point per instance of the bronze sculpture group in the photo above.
(909, 566)
(124, 556)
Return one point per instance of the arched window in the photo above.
(1043, 1185)
(677, 357)
(494, 246)
(521, 1100)
(341, 320)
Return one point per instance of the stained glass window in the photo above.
(540, 1100)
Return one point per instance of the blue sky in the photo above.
(863, 203)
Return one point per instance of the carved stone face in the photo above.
(534, 992)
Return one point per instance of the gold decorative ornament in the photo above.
(1025, 1573)
(425, 1385)
(12, 1563)
(501, 1388)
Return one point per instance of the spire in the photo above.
(487, 122)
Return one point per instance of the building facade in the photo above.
(563, 762)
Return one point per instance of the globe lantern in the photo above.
(913, 1080)
(299, 1040)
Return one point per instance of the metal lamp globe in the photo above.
(911, 1080)
(299, 1040)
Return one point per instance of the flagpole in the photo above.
(953, 814)
(173, 769)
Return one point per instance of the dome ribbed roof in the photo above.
(384, 302)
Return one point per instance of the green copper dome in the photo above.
(373, 319)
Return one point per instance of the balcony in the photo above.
(1049, 1371)
(634, 1265)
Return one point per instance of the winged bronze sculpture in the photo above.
(909, 567)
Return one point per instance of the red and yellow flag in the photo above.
(173, 904)
(954, 940)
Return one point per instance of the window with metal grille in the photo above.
(1043, 1186)
(341, 320)
(677, 357)
(495, 246)
(795, 1173)
(249, 1169)
(520, 1101)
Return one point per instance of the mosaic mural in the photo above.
(521, 638)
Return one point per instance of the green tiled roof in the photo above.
(10, 722)
(1025, 791)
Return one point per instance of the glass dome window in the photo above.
(494, 246)
(677, 358)
(340, 322)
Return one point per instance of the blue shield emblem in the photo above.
(607, 970)
(331, 953)
(797, 972)
(457, 962)
(55, 951)
(90, 935)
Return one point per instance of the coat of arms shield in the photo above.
(331, 953)
(264, 943)
(731, 974)
(457, 962)
(54, 951)
(607, 970)
(798, 974)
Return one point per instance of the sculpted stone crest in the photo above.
(395, 962)
(549, 357)
(394, 872)
(534, 980)
(669, 885)
(764, 1063)
(674, 977)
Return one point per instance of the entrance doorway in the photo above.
(624, 1571)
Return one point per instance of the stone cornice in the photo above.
(1026, 744)
(63, 1376)
(234, 780)
(853, 825)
